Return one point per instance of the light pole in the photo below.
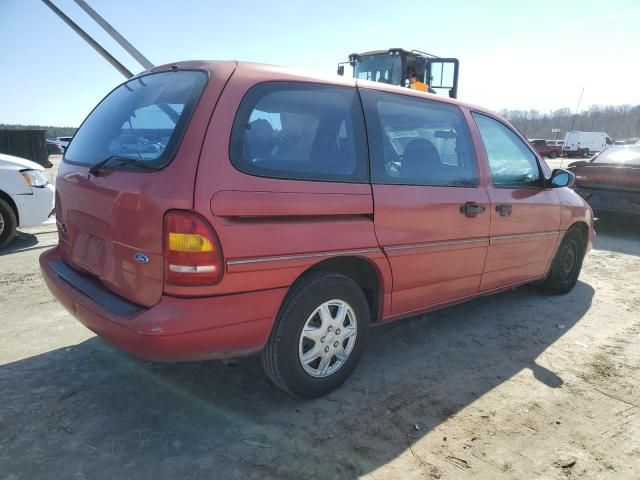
(123, 42)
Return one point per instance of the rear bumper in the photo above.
(611, 201)
(175, 329)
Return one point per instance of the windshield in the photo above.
(383, 68)
(143, 119)
(626, 155)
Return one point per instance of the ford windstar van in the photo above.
(219, 209)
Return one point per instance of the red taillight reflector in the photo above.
(192, 253)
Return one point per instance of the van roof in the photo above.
(266, 72)
(579, 131)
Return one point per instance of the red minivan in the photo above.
(218, 209)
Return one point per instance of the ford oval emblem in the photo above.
(141, 258)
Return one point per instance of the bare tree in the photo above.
(618, 121)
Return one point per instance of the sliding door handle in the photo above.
(471, 209)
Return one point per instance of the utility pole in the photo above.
(123, 42)
(577, 109)
(87, 38)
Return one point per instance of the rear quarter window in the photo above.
(300, 131)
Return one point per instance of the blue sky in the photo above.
(513, 54)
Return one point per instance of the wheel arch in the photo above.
(583, 228)
(359, 269)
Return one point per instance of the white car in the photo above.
(26, 196)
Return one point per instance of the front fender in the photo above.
(12, 182)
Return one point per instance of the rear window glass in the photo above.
(300, 131)
(622, 155)
(143, 119)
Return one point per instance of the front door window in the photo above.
(512, 163)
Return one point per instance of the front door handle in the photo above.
(471, 209)
(504, 210)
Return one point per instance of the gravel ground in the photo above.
(518, 385)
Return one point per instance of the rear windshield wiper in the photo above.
(96, 167)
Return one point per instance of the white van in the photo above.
(585, 144)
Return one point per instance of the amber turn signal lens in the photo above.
(189, 242)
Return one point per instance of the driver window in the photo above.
(512, 163)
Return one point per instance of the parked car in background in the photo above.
(140, 146)
(629, 141)
(286, 214)
(585, 144)
(545, 149)
(53, 147)
(610, 181)
(64, 142)
(26, 196)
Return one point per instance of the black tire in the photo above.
(8, 223)
(586, 153)
(566, 265)
(553, 155)
(280, 357)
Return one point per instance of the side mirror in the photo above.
(561, 178)
(340, 70)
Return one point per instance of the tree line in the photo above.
(620, 122)
(51, 132)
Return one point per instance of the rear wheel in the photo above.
(553, 155)
(566, 265)
(319, 335)
(8, 223)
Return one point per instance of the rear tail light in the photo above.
(191, 250)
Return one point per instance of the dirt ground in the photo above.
(519, 385)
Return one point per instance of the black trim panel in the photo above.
(94, 290)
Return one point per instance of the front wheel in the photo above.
(8, 223)
(586, 153)
(553, 155)
(566, 265)
(319, 335)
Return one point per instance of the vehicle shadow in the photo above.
(618, 234)
(92, 411)
(24, 241)
(21, 241)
